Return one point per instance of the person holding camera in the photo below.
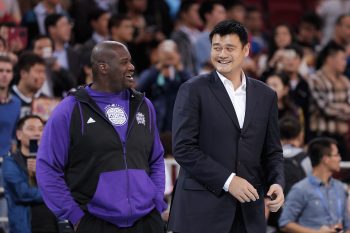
(27, 212)
(162, 81)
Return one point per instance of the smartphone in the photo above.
(33, 147)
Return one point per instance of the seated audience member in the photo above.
(32, 75)
(318, 203)
(279, 82)
(27, 211)
(121, 29)
(58, 80)
(297, 163)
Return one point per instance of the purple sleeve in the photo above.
(51, 161)
(156, 162)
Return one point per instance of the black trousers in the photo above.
(238, 225)
(151, 223)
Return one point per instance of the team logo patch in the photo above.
(116, 115)
(140, 118)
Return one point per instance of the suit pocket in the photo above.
(191, 184)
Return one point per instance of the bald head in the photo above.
(104, 51)
(111, 67)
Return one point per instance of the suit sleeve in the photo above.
(272, 159)
(186, 148)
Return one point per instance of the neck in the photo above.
(4, 94)
(25, 151)
(322, 173)
(25, 91)
(50, 8)
(294, 76)
(329, 71)
(59, 45)
(293, 142)
(236, 79)
(104, 87)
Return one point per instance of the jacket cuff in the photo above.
(75, 215)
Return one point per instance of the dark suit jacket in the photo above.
(209, 144)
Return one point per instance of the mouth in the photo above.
(129, 77)
(224, 62)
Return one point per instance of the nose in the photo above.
(131, 67)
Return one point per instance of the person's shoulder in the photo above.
(261, 86)
(8, 162)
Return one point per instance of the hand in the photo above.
(326, 229)
(242, 190)
(31, 165)
(275, 204)
(76, 226)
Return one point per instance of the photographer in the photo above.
(27, 212)
(162, 81)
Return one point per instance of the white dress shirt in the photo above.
(238, 99)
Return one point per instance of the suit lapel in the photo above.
(251, 99)
(223, 98)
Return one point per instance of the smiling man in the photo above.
(226, 139)
(100, 163)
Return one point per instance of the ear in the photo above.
(23, 73)
(19, 134)
(246, 49)
(103, 68)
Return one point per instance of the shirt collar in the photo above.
(23, 97)
(225, 80)
(316, 181)
(98, 38)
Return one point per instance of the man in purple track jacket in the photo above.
(100, 162)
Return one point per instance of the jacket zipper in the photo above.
(124, 148)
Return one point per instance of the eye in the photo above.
(217, 49)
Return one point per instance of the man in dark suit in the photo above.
(226, 139)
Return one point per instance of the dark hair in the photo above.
(231, 4)
(39, 37)
(296, 48)
(3, 41)
(340, 18)
(318, 148)
(329, 50)
(207, 7)
(272, 43)
(313, 19)
(51, 20)
(228, 27)
(116, 20)
(184, 7)
(27, 60)
(23, 120)
(252, 9)
(290, 127)
(5, 59)
(96, 14)
(282, 76)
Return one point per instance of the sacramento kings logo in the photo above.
(116, 115)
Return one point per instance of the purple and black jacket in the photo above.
(84, 166)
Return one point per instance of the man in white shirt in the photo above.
(226, 140)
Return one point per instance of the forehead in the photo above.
(42, 41)
(32, 122)
(6, 65)
(226, 40)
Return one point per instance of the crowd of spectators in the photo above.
(45, 49)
